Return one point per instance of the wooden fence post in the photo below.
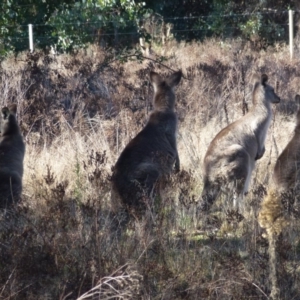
(291, 32)
(30, 31)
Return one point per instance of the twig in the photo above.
(7, 281)
(139, 56)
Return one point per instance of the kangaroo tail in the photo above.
(130, 191)
(121, 187)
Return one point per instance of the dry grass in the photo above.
(77, 113)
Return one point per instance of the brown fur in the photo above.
(231, 156)
(272, 217)
(152, 153)
(286, 174)
(284, 187)
(12, 150)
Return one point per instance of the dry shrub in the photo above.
(273, 218)
(272, 215)
(53, 252)
(77, 113)
(123, 283)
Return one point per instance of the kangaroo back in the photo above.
(287, 168)
(12, 150)
(152, 153)
(231, 156)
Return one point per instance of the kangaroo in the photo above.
(152, 153)
(286, 175)
(12, 150)
(231, 156)
(279, 202)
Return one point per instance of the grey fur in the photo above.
(152, 153)
(230, 158)
(12, 150)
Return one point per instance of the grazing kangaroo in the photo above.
(152, 153)
(12, 150)
(231, 156)
(286, 174)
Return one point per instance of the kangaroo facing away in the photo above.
(231, 156)
(12, 150)
(152, 153)
(286, 174)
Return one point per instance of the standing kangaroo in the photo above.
(12, 150)
(283, 190)
(152, 153)
(286, 174)
(231, 156)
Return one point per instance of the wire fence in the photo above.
(168, 19)
(274, 23)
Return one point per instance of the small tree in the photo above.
(68, 24)
(15, 17)
(94, 21)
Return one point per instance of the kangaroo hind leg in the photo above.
(145, 180)
(241, 176)
(209, 194)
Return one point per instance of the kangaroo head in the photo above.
(164, 95)
(7, 118)
(263, 92)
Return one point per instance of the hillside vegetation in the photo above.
(77, 112)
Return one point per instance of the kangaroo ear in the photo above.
(297, 99)
(5, 113)
(264, 79)
(13, 108)
(155, 79)
(174, 79)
